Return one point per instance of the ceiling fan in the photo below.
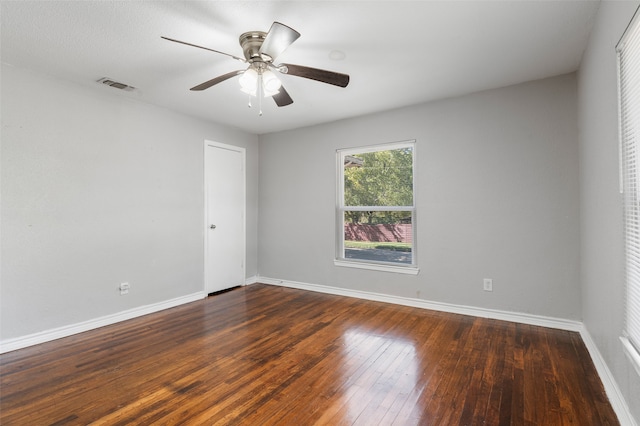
(260, 50)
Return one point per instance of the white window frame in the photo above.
(628, 54)
(340, 259)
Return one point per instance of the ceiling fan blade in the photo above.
(278, 39)
(324, 76)
(205, 48)
(282, 98)
(216, 80)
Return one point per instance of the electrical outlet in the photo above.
(487, 284)
(124, 288)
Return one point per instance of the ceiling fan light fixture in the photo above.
(249, 81)
(270, 83)
(269, 93)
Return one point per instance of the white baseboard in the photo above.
(616, 398)
(57, 333)
(251, 280)
(539, 320)
(610, 385)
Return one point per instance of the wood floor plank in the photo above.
(495, 381)
(276, 356)
(507, 388)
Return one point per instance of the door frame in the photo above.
(206, 174)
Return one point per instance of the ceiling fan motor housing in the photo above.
(251, 43)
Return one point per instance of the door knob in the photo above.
(212, 227)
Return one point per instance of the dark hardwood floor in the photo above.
(265, 355)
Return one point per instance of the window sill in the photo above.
(632, 354)
(410, 270)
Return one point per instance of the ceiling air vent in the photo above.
(115, 84)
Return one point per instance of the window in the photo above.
(376, 212)
(629, 86)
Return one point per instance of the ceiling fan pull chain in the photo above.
(260, 93)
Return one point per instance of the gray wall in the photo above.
(602, 243)
(98, 189)
(497, 197)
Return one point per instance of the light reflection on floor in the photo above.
(396, 367)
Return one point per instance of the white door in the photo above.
(224, 216)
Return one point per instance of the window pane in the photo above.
(379, 236)
(380, 178)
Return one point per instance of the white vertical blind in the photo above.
(629, 86)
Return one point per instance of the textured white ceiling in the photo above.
(397, 52)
